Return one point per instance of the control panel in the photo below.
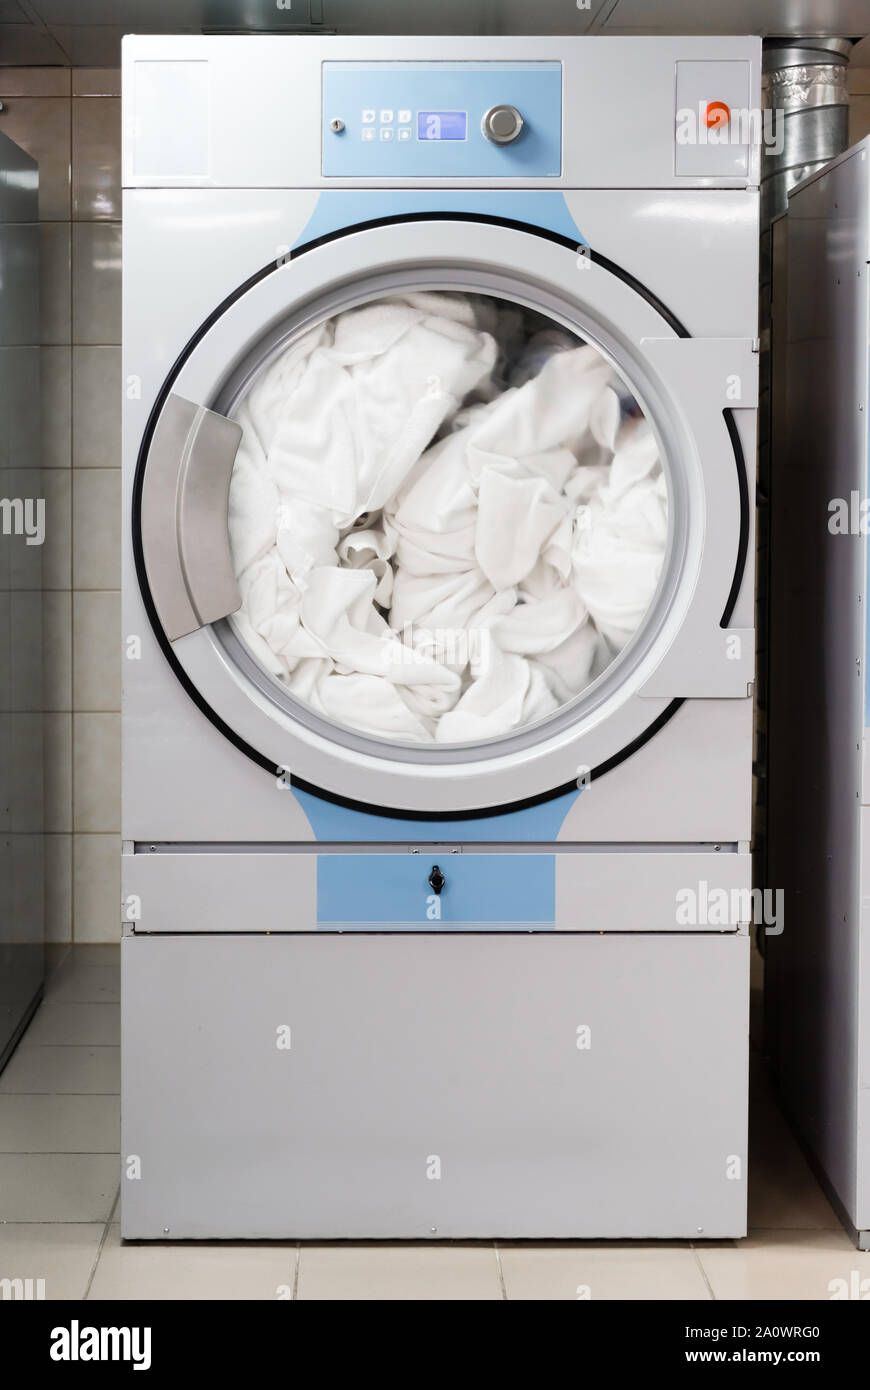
(442, 120)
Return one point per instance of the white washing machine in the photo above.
(439, 439)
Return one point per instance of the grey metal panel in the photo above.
(184, 517)
(408, 1049)
(818, 1003)
(255, 891)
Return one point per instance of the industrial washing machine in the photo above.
(440, 379)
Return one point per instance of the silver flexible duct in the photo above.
(804, 83)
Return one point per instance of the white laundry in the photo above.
(618, 553)
(444, 523)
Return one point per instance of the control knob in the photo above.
(502, 124)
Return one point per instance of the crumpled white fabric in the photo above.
(443, 526)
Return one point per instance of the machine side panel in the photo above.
(818, 603)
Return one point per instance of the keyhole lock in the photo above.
(436, 879)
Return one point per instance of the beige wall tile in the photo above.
(41, 126)
(56, 400)
(55, 282)
(58, 888)
(97, 407)
(57, 550)
(97, 638)
(96, 528)
(57, 772)
(34, 82)
(96, 158)
(97, 889)
(96, 82)
(96, 278)
(96, 772)
(57, 638)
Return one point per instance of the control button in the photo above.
(716, 114)
(404, 117)
(436, 879)
(367, 133)
(386, 117)
(404, 134)
(502, 124)
(368, 117)
(386, 133)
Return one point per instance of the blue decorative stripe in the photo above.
(342, 824)
(339, 209)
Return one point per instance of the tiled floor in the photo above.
(59, 1111)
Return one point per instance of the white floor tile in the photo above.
(398, 1272)
(76, 1024)
(77, 983)
(57, 1070)
(193, 1271)
(62, 1255)
(58, 1187)
(59, 1124)
(785, 1264)
(599, 1271)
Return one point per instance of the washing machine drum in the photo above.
(415, 544)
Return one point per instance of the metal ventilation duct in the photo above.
(804, 83)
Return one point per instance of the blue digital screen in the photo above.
(442, 125)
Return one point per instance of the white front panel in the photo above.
(217, 793)
(278, 889)
(262, 103)
(302, 1087)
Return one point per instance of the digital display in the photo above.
(442, 125)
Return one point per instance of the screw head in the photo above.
(336, 124)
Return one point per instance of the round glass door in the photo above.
(448, 517)
(425, 516)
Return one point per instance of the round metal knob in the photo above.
(502, 124)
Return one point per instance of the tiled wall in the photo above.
(70, 121)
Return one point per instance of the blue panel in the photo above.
(380, 105)
(340, 824)
(338, 209)
(391, 892)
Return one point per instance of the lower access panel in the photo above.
(434, 1086)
